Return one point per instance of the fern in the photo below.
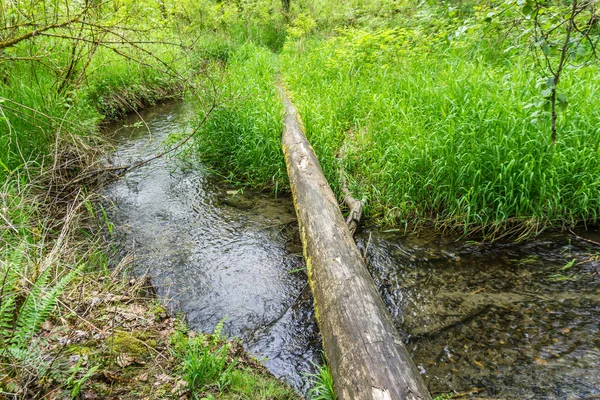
(39, 305)
(29, 360)
(10, 273)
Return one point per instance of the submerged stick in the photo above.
(366, 356)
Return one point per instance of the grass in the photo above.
(215, 368)
(439, 134)
(440, 124)
(204, 363)
(241, 139)
(322, 384)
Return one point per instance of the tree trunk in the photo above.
(366, 356)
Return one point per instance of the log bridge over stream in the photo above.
(365, 353)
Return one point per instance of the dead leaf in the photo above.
(95, 301)
(47, 326)
(162, 379)
(180, 387)
(143, 377)
(124, 360)
(111, 376)
(90, 395)
(137, 309)
(540, 361)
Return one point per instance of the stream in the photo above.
(501, 320)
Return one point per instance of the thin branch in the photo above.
(35, 32)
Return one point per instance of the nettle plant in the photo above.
(561, 34)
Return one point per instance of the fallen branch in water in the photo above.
(590, 241)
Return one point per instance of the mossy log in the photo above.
(365, 353)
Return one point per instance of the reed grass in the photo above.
(440, 134)
(241, 139)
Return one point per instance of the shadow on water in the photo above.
(501, 320)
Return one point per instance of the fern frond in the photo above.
(39, 305)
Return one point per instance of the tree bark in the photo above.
(365, 353)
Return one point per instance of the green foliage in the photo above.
(442, 134)
(65, 66)
(204, 363)
(75, 383)
(240, 21)
(442, 114)
(249, 385)
(301, 26)
(322, 384)
(23, 309)
(211, 372)
(242, 136)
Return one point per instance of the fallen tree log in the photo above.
(364, 351)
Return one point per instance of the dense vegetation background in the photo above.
(445, 110)
(476, 116)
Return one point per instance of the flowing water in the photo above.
(517, 321)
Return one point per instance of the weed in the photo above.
(203, 364)
(322, 384)
(242, 137)
(435, 146)
(74, 383)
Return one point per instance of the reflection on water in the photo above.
(500, 321)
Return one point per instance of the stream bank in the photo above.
(500, 320)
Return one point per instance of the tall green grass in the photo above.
(241, 138)
(436, 132)
(52, 87)
(32, 114)
(212, 368)
(441, 121)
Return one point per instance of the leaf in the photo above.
(568, 265)
(563, 103)
(546, 49)
(124, 360)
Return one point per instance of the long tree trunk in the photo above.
(366, 356)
